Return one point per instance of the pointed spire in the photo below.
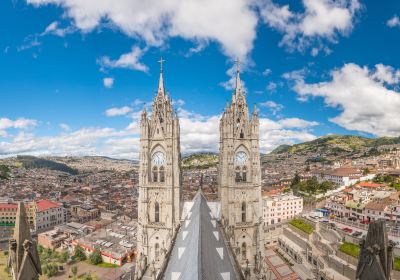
(144, 112)
(161, 89)
(255, 112)
(238, 81)
(21, 233)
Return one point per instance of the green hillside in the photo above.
(35, 162)
(200, 161)
(336, 144)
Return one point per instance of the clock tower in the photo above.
(159, 183)
(240, 180)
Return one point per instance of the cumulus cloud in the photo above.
(198, 133)
(393, 22)
(155, 21)
(321, 20)
(113, 112)
(129, 60)
(274, 107)
(108, 82)
(65, 127)
(367, 98)
(21, 123)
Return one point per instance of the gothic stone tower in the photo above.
(240, 179)
(159, 183)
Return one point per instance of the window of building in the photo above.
(244, 250)
(243, 211)
(155, 174)
(157, 212)
(162, 174)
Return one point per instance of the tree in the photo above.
(95, 257)
(79, 253)
(64, 256)
(296, 180)
(366, 171)
(74, 271)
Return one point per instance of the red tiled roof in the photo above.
(8, 206)
(370, 185)
(45, 204)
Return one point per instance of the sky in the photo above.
(75, 75)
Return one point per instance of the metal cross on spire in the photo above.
(161, 61)
(237, 61)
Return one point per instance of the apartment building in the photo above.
(281, 207)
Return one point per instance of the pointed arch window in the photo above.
(241, 134)
(162, 174)
(157, 212)
(155, 174)
(238, 178)
(243, 212)
(244, 174)
(156, 251)
(244, 251)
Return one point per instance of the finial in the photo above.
(237, 61)
(161, 61)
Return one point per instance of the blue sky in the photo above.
(74, 75)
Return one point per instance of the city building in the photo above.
(42, 214)
(342, 176)
(240, 180)
(116, 242)
(281, 207)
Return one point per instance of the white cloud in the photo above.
(321, 19)
(129, 60)
(367, 98)
(112, 112)
(55, 29)
(272, 86)
(393, 22)
(108, 82)
(21, 123)
(267, 72)
(65, 127)
(198, 133)
(296, 123)
(155, 21)
(274, 107)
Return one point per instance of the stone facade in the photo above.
(240, 180)
(159, 183)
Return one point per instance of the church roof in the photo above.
(200, 251)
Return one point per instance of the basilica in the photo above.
(198, 239)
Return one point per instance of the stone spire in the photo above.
(161, 89)
(23, 258)
(238, 89)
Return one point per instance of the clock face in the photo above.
(158, 158)
(240, 158)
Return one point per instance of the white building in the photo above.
(49, 214)
(343, 176)
(281, 207)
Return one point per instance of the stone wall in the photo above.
(293, 237)
(347, 258)
(299, 232)
(345, 270)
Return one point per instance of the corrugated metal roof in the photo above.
(200, 251)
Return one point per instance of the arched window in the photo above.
(244, 174)
(244, 250)
(156, 251)
(241, 134)
(162, 174)
(156, 212)
(238, 178)
(243, 212)
(155, 174)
